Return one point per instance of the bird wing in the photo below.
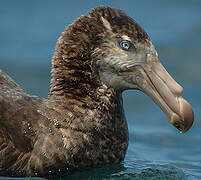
(17, 115)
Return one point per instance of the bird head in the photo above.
(121, 54)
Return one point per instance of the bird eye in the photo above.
(125, 44)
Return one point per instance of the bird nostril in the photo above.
(176, 89)
(180, 91)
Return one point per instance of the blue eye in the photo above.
(125, 44)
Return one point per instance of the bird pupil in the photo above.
(126, 45)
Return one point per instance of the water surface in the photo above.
(28, 34)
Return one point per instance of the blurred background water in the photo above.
(28, 34)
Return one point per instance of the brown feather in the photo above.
(82, 121)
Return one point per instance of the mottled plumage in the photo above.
(81, 122)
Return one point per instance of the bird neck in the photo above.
(73, 78)
(101, 111)
(83, 102)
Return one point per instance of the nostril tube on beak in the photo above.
(166, 92)
(175, 88)
(178, 90)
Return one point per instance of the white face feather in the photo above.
(114, 60)
(114, 63)
(106, 24)
(124, 37)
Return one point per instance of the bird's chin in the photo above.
(154, 80)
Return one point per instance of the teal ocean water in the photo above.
(28, 34)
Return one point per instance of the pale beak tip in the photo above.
(188, 115)
(185, 119)
(188, 122)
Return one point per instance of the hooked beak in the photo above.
(154, 80)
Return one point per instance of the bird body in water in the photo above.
(82, 121)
